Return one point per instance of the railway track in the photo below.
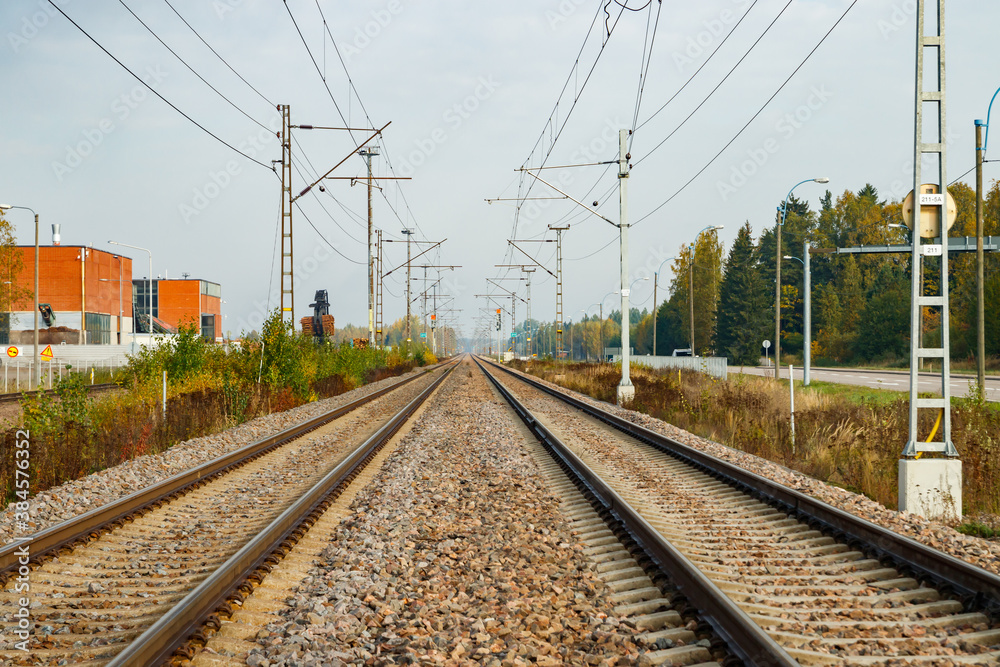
(784, 578)
(17, 397)
(165, 559)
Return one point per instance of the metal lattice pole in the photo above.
(929, 46)
(287, 260)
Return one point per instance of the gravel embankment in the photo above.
(82, 495)
(457, 554)
(979, 552)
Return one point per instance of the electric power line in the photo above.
(154, 91)
(262, 96)
(754, 117)
(191, 69)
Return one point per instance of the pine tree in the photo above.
(743, 302)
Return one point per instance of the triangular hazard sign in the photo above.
(47, 353)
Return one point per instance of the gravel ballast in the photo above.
(979, 552)
(456, 554)
(74, 498)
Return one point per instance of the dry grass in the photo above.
(851, 443)
(73, 436)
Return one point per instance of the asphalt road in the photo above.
(893, 380)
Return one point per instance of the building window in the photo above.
(208, 327)
(98, 329)
(141, 303)
(211, 289)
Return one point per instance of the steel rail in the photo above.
(159, 642)
(14, 397)
(978, 589)
(743, 636)
(82, 527)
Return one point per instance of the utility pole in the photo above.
(379, 337)
(423, 307)
(777, 298)
(931, 487)
(559, 288)
(367, 154)
(409, 233)
(626, 391)
(691, 297)
(527, 329)
(980, 302)
(807, 352)
(287, 263)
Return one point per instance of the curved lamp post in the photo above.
(807, 313)
(37, 363)
(783, 209)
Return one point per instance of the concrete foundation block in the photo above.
(626, 394)
(931, 488)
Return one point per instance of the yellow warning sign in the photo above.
(12, 351)
(47, 353)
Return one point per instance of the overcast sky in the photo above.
(471, 91)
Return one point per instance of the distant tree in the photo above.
(743, 302)
(13, 295)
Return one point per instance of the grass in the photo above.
(976, 529)
(845, 435)
(209, 390)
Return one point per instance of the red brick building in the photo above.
(188, 302)
(88, 290)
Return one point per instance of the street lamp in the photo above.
(807, 313)
(37, 359)
(712, 228)
(783, 209)
(149, 286)
(656, 281)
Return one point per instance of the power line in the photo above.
(320, 234)
(262, 96)
(364, 110)
(722, 81)
(191, 69)
(153, 90)
(644, 71)
(753, 118)
(700, 67)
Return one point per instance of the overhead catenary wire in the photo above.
(644, 64)
(155, 92)
(224, 62)
(752, 118)
(700, 67)
(360, 102)
(191, 69)
(719, 85)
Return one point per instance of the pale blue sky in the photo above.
(468, 88)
